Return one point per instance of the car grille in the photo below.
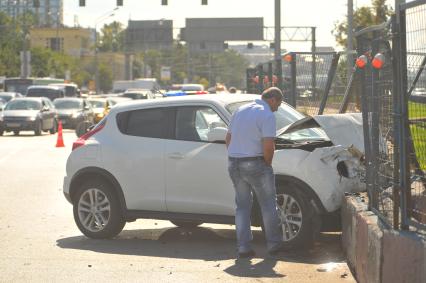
(15, 119)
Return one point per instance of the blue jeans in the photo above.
(250, 176)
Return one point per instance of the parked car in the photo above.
(73, 111)
(29, 114)
(7, 96)
(51, 92)
(166, 159)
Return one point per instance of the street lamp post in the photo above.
(97, 21)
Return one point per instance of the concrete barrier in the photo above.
(376, 254)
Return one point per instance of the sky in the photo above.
(322, 14)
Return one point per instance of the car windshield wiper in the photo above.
(280, 139)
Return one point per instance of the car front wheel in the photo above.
(54, 128)
(38, 128)
(300, 222)
(97, 210)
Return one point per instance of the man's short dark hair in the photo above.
(272, 92)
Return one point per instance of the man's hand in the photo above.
(228, 139)
(268, 150)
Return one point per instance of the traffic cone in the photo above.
(60, 140)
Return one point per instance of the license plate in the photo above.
(13, 125)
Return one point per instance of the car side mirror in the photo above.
(45, 108)
(86, 107)
(217, 135)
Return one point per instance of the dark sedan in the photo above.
(29, 114)
(73, 111)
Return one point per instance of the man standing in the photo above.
(251, 143)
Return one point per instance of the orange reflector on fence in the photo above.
(288, 58)
(361, 61)
(378, 61)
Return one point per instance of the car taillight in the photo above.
(202, 92)
(82, 140)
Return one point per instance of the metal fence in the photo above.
(314, 83)
(378, 111)
(412, 26)
(393, 98)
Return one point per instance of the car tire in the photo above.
(300, 221)
(101, 220)
(38, 129)
(54, 129)
(186, 224)
(1, 132)
(16, 133)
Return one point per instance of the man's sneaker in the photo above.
(248, 254)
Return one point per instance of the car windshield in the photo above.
(6, 97)
(67, 104)
(285, 116)
(23, 105)
(97, 103)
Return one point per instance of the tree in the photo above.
(378, 13)
(105, 78)
(112, 37)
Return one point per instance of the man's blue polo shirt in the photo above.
(249, 124)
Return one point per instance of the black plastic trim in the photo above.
(164, 215)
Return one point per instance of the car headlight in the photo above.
(32, 118)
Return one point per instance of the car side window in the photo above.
(193, 123)
(150, 123)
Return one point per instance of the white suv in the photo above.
(166, 159)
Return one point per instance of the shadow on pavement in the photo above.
(205, 244)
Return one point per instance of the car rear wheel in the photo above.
(37, 130)
(16, 133)
(54, 128)
(300, 222)
(1, 132)
(186, 224)
(97, 210)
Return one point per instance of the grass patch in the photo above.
(418, 135)
(416, 110)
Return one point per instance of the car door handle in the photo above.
(176, 155)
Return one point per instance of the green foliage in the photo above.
(111, 38)
(206, 68)
(375, 14)
(105, 78)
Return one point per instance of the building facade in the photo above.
(49, 13)
(76, 42)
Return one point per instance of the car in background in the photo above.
(138, 94)
(99, 106)
(7, 96)
(51, 92)
(2, 104)
(185, 89)
(29, 114)
(70, 89)
(73, 111)
(167, 159)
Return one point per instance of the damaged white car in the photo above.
(166, 159)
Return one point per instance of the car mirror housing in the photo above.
(217, 134)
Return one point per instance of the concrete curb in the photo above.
(377, 254)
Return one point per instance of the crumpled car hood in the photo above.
(342, 129)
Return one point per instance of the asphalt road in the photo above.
(41, 243)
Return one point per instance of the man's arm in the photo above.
(228, 139)
(268, 150)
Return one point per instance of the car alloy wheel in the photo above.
(94, 210)
(290, 214)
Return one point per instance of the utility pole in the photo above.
(277, 49)
(350, 45)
